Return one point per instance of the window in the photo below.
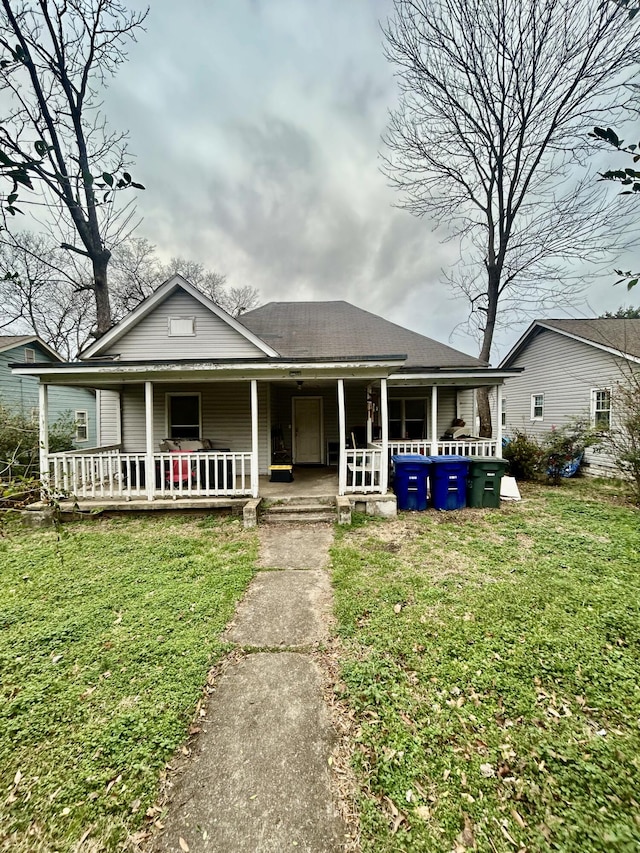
(537, 407)
(29, 355)
(601, 408)
(183, 415)
(182, 327)
(407, 419)
(82, 426)
(503, 412)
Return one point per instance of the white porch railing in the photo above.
(364, 469)
(458, 447)
(113, 474)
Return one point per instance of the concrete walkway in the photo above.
(258, 780)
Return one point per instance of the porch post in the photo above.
(149, 463)
(434, 420)
(254, 438)
(499, 422)
(43, 423)
(342, 431)
(384, 417)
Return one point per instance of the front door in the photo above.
(307, 430)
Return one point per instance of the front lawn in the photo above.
(105, 642)
(492, 661)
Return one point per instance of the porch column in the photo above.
(342, 431)
(254, 438)
(148, 418)
(384, 418)
(499, 422)
(43, 422)
(434, 420)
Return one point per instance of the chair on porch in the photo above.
(180, 471)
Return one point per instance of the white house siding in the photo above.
(214, 338)
(225, 412)
(108, 417)
(565, 371)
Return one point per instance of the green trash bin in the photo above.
(483, 481)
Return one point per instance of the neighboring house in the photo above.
(20, 393)
(571, 369)
(299, 382)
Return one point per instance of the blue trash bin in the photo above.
(410, 483)
(449, 481)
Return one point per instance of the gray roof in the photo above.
(619, 334)
(341, 330)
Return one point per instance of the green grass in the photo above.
(492, 659)
(105, 642)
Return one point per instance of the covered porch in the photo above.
(342, 430)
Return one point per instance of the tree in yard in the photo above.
(46, 292)
(490, 141)
(623, 313)
(56, 56)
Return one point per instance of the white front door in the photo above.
(307, 430)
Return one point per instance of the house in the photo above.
(208, 403)
(571, 369)
(19, 393)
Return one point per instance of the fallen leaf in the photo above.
(466, 837)
(423, 812)
(17, 778)
(487, 771)
(56, 658)
(183, 845)
(397, 608)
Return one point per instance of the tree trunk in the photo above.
(482, 396)
(101, 290)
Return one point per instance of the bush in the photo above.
(562, 445)
(523, 455)
(623, 440)
(20, 442)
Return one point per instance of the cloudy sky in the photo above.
(256, 125)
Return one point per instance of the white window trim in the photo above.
(167, 409)
(29, 355)
(594, 392)
(503, 413)
(535, 417)
(181, 318)
(403, 415)
(82, 422)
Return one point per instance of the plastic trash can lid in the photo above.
(413, 458)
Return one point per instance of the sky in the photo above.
(256, 127)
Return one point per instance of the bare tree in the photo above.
(44, 289)
(490, 141)
(58, 54)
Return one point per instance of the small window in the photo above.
(82, 426)
(29, 355)
(182, 327)
(503, 412)
(183, 415)
(537, 407)
(601, 408)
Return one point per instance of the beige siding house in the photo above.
(571, 368)
(196, 402)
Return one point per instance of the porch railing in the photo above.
(113, 474)
(364, 468)
(459, 447)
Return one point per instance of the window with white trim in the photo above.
(503, 412)
(82, 425)
(29, 355)
(408, 418)
(182, 327)
(537, 407)
(601, 408)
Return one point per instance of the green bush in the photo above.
(523, 455)
(561, 445)
(20, 442)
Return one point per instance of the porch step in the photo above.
(291, 512)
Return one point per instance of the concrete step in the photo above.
(277, 509)
(322, 515)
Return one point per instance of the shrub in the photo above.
(20, 442)
(523, 455)
(562, 445)
(623, 440)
